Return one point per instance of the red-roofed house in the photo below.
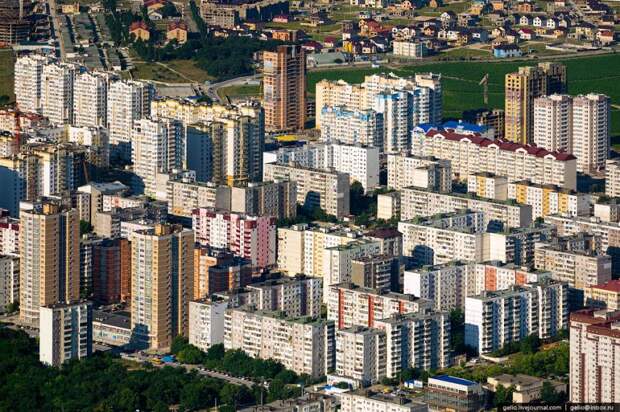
(177, 31)
(140, 30)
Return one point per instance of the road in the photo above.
(57, 34)
(136, 357)
(212, 89)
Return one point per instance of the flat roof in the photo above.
(455, 380)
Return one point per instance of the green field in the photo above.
(7, 66)
(597, 74)
(245, 90)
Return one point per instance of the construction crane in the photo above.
(485, 82)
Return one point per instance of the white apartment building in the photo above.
(128, 101)
(349, 126)
(450, 283)
(352, 305)
(360, 354)
(424, 172)
(360, 162)
(416, 340)
(388, 205)
(65, 332)
(328, 190)
(591, 128)
(549, 199)
(496, 213)
(594, 350)
(407, 48)
(458, 236)
(156, 147)
(278, 199)
(470, 154)
(303, 345)
(494, 319)
(90, 99)
(185, 195)
(553, 122)
(9, 281)
(9, 235)
(28, 81)
(367, 401)
(337, 260)
(206, 322)
(57, 83)
(612, 178)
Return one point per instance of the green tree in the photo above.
(503, 396)
(190, 355)
(85, 227)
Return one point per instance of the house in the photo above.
(498, 32)
(606, 37)
(177, 31)
(526, 34)
(466, 20)
(154, 5)
(552, 23)
(72, 8)
(285, 35)
(281, 18)
(430, 31)
(503, 51)
(525, 20)
(539, 21)
(479, 35)
(478, 9)
(525, 7)
(435, 4)
(498, 5)
(140, 30)
(381, 43)
(330, 42)
(312, 46)
(447, 18)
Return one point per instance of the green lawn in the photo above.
(597, 74)
(7, 66)
(245, 90)
(174, 71)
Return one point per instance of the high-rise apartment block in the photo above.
(471, 154)
(360, 354)
(162, 270)
(376, 272)
(591, 128)
(251, 237)
(350, 305)
(49, 257)
(128, 101)
(218, 271)
(522, 87)
(549, 199)
(553, 123)
(303, 345)
(57, 83)
(9, 281)
(90, 99)
(424, 172)
(488, 185)
(28, 80)
(65, 332)
(284, 88)
(337, 260)
(594, 348)
(206, 322)
(348, 126)
(328, 190)
(604, 295)
(612, 178)
(494, 319)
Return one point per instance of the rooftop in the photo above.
(611, 286)
(454, 380)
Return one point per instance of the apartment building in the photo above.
(579, 267)
(9, 281)
(90, 99)
(612, 178)
(218, 271)
(591, 128)
(225, 143)
(350, 305)
(594, 348)
(498, 214)
(360, 355)
(337, 260)
(303, 345)
(28, 81)
(450, 283)
(162, 270)
(458, 236)
(93, 201)
(388, 205)
(184, 195)
(111, 271)
(206, 322)
(57, 83)
(522, 87)
(470, 154)
(368, 401)
(517, 245)
(49, 254)
(9, 234)
(549, 199)
(405, 170)
(349, 126)
(284, 88)
(553, 123)
(65, 332)
(604, 295)
(277, 199)
(360, 162)
(251, 237)
(156, 147)
(416, 340)
(494, 319)
(128, 102)
(376, 272)
(488, 185)
(328, 190)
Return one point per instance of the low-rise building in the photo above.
(111, 329)
(445, 392)
(388, 205)
(430, 173)
(488, 185)
(368, 401)
(526, 389)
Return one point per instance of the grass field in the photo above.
(597, 74)
(245, 90)
(7, 67)
(174, 71)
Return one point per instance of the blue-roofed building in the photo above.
(503, 51)
(446, 392)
